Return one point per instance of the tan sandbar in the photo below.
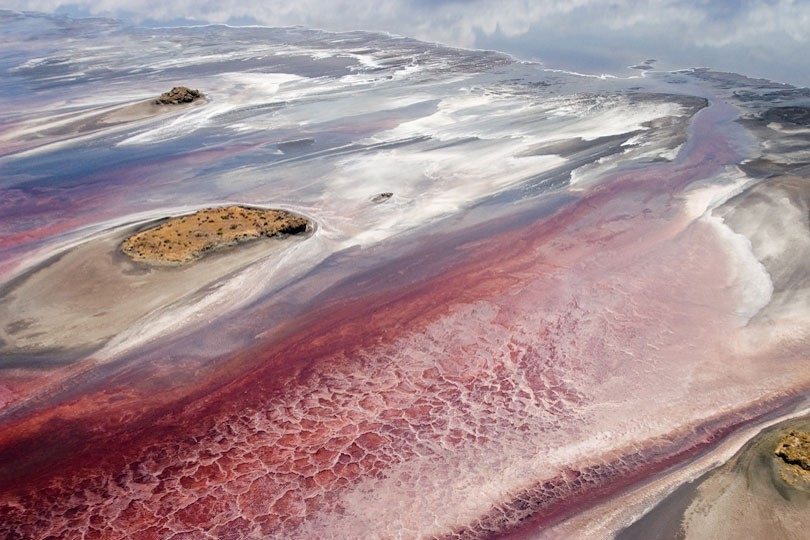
(81, 298)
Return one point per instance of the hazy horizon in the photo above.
(757, 38)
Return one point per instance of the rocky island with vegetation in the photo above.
(183, 239)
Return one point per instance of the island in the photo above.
(793, 452)
(178, 95)
(184, 239)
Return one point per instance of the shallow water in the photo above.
(551, 313)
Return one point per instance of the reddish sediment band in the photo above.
(534, 303)
(377, 397)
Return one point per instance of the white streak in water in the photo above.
(747, 276)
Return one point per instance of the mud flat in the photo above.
(762, 492)
(78, 299)
(49, 126)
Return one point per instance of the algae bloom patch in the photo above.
(184, 239)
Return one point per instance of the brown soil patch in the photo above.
(184, 239)
(793, 463)
(794, 448)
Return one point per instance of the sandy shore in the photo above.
(52, 127)
(79, 299)
(751, 496)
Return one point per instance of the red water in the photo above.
(465, 390)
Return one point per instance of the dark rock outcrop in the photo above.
(177, 95)
(382, 197)
(798, 116)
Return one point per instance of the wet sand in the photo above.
(753, 495)
(87, 120)
(77, 300)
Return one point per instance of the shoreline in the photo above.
(746, 485)
(101, 291)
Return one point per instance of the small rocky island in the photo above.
(178, 95)
(793, 451)
(382, 197)
(184, 239)
(794, 448)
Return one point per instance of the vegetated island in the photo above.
(184, 239)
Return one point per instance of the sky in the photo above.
(758, 38)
